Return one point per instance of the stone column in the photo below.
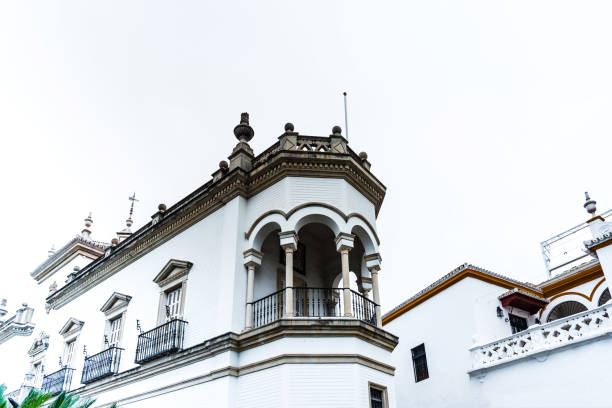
(373, 265)
(252, 260)
(288, 241)
(344, 243)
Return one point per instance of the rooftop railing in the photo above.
(162, 340)
(556, 334)
(313, 302)
(101, 365)
(58, 381)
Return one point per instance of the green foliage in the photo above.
(36, 399)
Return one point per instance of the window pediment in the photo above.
(172, 271)
(72, 326)
(115, 302)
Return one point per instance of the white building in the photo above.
(478, 339)
(258, 289)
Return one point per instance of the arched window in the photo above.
(566, 309)
(605, 296)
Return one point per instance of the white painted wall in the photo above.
(216, 288)
(447, 324)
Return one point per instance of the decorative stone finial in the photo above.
(162, 207)
(243, 131)
(115, 242)
(289, 127)
(223, 165)
(86, 232)
(589, 205)
(363, 156)
(88, 221)
(337, 130)
(76, 268)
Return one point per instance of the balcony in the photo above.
(101, 365)
(557, 334)
(58, 381)
(162, 340)
(313, 302)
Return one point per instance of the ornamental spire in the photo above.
(86, 231)
(126, 232)
(589, 205)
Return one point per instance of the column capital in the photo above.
(344, 242)
(252, 258)
(288, 240)
(373, 262)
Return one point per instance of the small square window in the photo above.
(419, 360)
(517, 323)
(378, 396)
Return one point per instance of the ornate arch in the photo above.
(290, 213)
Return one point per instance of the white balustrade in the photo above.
(559, 333)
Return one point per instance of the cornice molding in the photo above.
(211, 197)
(464, 271)
(572, 280)
(250, 339)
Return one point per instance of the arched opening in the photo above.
(565, 309)
(317, 289)
(604, 298)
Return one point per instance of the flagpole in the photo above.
(345, 118)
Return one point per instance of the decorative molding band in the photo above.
(255, 367)
(288, 214)
(15, 329)
(209, 198)
(247, 340)
(589, 298)
(572, 280)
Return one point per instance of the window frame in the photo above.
(416, 356)
(114, 308)
(382, 389)
(173, 275)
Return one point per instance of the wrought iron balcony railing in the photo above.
(58, 381)
(313, 302)
(162, 340)
(101, 365)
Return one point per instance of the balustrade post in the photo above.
(344, 243)
(288, 241)
(252, 260)
(373, 265)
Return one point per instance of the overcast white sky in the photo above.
(486, 120)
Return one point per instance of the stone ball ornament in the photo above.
(363, 156)
(162, 207)
(289, 127)
(337, 130)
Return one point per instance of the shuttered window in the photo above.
(115, 331)
(419, 360)
(173, 303)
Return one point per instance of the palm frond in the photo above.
(35, 399)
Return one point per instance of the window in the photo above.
(172, 281)
(173, 303)
(115, 331)
(68, 352)
(378, 396)
(114, 309)
(517, 323)
(419, 360)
